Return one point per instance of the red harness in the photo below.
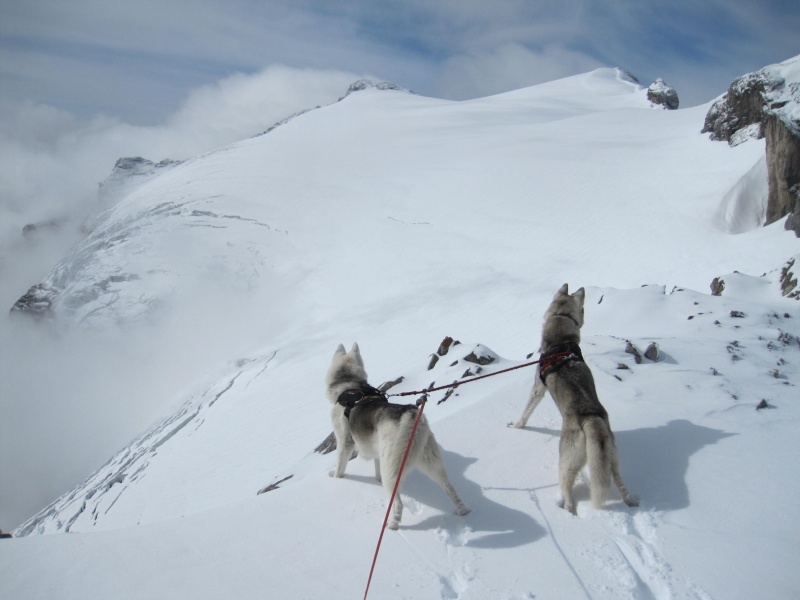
(557, 357)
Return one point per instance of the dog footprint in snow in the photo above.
(412, 506)
(457, 536)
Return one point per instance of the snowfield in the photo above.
(395, 220)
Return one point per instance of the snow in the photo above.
(395, 220)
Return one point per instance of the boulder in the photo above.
(660, 94)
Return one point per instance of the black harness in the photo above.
(361, 395)
(557, 356)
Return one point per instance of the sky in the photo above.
(85, 82)
(140, 61)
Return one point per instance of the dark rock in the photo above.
(328, 445)
(31, 228)
(368, 84)
(783, 172)
(433, 361)
(447, 394)
(631, 349)
(390, 384)
(762, 404)
(273, 486)
(652, 352)
(469, 373)
(717, 286)
(742, 106)
(737, 314)
(483, 359)
(36, 301)
(659, 93)
(789, 281)
(445, 346)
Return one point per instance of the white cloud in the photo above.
(53, 162)
(509, 67)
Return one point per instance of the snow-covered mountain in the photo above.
(395, 220)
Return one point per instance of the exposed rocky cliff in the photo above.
(766, 104)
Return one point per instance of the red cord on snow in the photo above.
(394, 492)
(422, 402)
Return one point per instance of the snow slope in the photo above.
(395, 220)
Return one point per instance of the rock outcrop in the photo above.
(766, 104)
(130, 172)
(368, 84)
(741, 107)
(783, 167)
(789, 281)
(660, 94)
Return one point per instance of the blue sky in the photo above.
(138, 61)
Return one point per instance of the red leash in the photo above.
(394, 492)
(422, 402)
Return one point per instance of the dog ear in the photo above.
(340, 350)
(580, 295)
(356, 352)
(562, 291)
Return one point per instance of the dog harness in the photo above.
(557, 357)
(361, 395)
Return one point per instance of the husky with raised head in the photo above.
(365, 420)
(585, 432)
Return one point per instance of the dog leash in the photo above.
(455, 384)
(421, 405)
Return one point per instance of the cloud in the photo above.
(509, 67)
(72, 398)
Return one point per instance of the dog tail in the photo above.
(598, 442)
(397, 444)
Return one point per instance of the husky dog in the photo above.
(585, 432)
(379, 430)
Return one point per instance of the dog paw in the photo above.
(463, 510)
(393, 525)
(631, 501)
(335, 474)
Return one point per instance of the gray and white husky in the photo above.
(379, 430)
(585, 432)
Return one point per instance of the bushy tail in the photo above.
(598, 442)
(395, 447)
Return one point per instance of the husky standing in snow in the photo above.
(585, 432)
(364, 418)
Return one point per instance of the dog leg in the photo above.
(433, 466)
(377, 469)
(627, 497)
(571, 459)
(397, 505)
(345, 453)
(537, 393)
